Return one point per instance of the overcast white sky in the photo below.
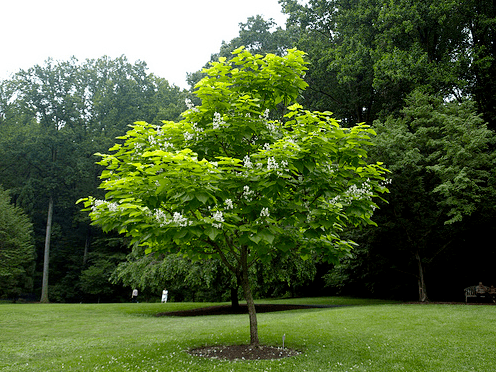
(172, 36)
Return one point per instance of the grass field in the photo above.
(377, 336)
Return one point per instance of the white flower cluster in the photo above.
(112, 207)
(166, 146)
(177, 218)
(188, 136)
(218, 122)
(152, 140)
(190, 105)
(271, 126)
(264, 212)
(229, 204)
(247, 193)
(96, 203)
(219, 217)
(273, 165)
(195, 135)
(247, 162)
(364, 192)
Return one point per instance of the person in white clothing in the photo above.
(134, 297)
(165, 293)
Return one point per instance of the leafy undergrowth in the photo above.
(127, 337)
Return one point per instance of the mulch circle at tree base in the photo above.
(243, 352)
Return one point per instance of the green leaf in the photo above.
(256, 238)
(267, 236)
(202, 197)
(212, 232)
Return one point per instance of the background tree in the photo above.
(480, 30)
(227, 182)
(186, 279)
(55, 117)
(442, 162)
(367, 56)
(16, 250)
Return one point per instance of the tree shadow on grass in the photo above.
(241, 309)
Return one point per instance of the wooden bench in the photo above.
(480, 291)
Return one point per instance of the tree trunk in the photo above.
(421, 280)
(46, 258)
(86, 248)
(245, 283)
(234, 297)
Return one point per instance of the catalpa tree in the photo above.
(229, 182)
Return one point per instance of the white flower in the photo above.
(189, 104)
(196, 128)
(247, 193)
(217, 121)
(265, 212)
(229, 204)
(161, 217)
(96, 203)
(354, 192)
(188, 136)
(179, 219)
(271, 163)
(271, 126)
(166, 145)
(247, 162)
(113, 207)
(218, 216)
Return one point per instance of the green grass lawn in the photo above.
(127, 337)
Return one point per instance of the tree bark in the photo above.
(234, 297)
(86, 248)
(421, 280)
(245, 283)
(46, 258)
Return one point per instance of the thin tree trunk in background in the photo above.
(86, 248)
(234, 298)
(245, 283)
(46, 258)
(421, 280)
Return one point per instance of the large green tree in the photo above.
(227, 182)
(16, 249)
(442, 162)
(54, 117)
(368, 55)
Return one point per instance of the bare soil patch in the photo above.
(241, 352)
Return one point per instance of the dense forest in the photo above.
(422, 74)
